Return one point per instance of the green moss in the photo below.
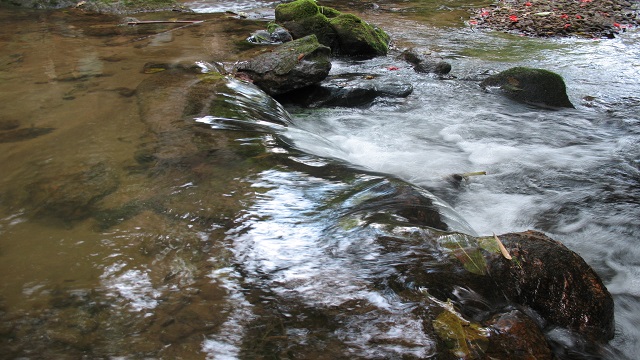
(353, 30)
(296, 10)
(329, 12)
(464, 339)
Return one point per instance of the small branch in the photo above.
(139, 22)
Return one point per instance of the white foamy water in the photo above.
(572, 173)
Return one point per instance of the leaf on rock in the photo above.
(465, 248)
(466, 340)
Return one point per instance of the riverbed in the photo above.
(216, 254)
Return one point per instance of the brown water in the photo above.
(105, 239)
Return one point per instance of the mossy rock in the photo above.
(345, 34)
(296, 10)
(532, 86)
(290, 66)
(317, 25)
(357, 37)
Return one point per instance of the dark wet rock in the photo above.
(349, 90)
(290, 66)
(550, 283)
(531, 86)
(515, 335)
(555, 282)
(345, 34)
(424, 64)
(272, 35)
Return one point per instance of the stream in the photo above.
(128, 230)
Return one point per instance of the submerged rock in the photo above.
(72, 195)
(345, 34)
(531, 86)
(290, 66)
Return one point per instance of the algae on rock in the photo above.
(345, 34)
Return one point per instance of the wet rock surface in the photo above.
(557, 283)
(532, 86)
(349, 90)
(584, 18)
(425, 64)
(290, 66)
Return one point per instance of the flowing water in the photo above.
(125, 233)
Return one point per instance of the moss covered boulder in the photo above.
(531, 86)
(345, 34)
(290, 66)
(357, 37)
(305, 17)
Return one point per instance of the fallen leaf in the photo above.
(503, 250)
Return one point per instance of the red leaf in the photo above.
(513, 18)
(393, 68)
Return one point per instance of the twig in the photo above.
(142, 22)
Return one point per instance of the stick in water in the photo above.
(142, 22)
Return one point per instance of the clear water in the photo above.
(224, 255)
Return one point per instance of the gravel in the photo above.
(547, 18)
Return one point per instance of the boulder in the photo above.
(555, 282)
(290, 66)
(550, 283)
(349, 90)
(305, 17)
(357, 38)
(345, 34)
(531, 86)
(423, 64)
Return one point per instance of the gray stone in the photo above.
(290, 66)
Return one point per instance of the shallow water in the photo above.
(198, 246)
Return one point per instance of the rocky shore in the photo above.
(583, 18)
